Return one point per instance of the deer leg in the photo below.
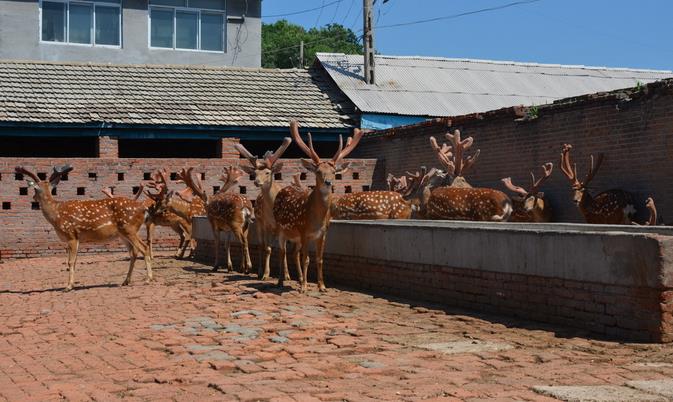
(150, 234)
(282, 254)
(133, 255)
(227, 243)
(268, 239)
(73, 246)
(242, 236)
(185, 235)
(297, 261)
(139, 246)
(319, 248)
(216, 239)
(303, 248)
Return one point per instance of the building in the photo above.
(412, 89)
(115, 124)
(209, 32)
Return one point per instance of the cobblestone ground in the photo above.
(195, 335)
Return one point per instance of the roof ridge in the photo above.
(500, 62)
(156, 66)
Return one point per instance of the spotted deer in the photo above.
(614, 207)
(530, 205)
(453, 158)
(371, 205)
(416, 187)
(226, 212)
(304, 216)
(156, 217)
(264, 170)
(90, 221)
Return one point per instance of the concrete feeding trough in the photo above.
(614, 281)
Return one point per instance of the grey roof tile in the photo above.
(170, 95)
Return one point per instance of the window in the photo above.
(91, 22)
(188, 24)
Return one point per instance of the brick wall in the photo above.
(642, 314)
(26, 233)
(633, 128)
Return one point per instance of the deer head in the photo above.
(533, 197)
(415, 187)
(264, 169)
(43, 188)
(570, 171)
(325, 171)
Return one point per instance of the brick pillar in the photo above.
(228, 150)
(108, 148)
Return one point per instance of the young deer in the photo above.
(263, 170)
(304, 216)
(614, 207)
(226, 212)
(530, 205)
(453, 159)
(90, 221)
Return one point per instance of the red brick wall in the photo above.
(617, 312)
(634, 129)
(25, 232)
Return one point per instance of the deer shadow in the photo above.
(61, 289)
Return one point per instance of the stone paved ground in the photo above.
(194, 335)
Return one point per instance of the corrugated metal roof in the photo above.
(425, 86)
(55, 92)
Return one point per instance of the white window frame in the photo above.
(198, 11)
(93, 5)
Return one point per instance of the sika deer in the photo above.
(530, 205)
(304, 216)
(452, 157)
(371, 205)
(614, 207)
(90, 221)
(265, 224)
(226, 212)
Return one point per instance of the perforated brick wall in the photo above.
(26, 233)
(633, 128)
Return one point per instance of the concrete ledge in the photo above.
(612, 280)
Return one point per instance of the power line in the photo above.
(308, 43)
(448, 17)
(320, 14)
(303, 11)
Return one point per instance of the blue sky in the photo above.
(614, 33)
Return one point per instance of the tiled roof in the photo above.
(47, 92)
(432, 86)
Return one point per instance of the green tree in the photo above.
(280, 43)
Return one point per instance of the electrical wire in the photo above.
(315, 25)
(453, 16)
(303, 11)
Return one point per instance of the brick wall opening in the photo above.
(48, 147)
(169, 148)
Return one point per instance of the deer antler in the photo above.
(444, 155)
(459, 148)
(107, 192)
(507, 181)
(231, 176)
(271, 158)
(593, 169)
(351, 143)
(196, 187)
(308, 150)
(296, 179)
(58, 173)
(547, 168)
(566, 165)
(22, 170)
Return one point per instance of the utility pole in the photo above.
(368, 40)
(301, 54)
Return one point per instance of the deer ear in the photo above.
(343, 168)
(277, 167)
(309, 165)
(540, 194)
(247, 169)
